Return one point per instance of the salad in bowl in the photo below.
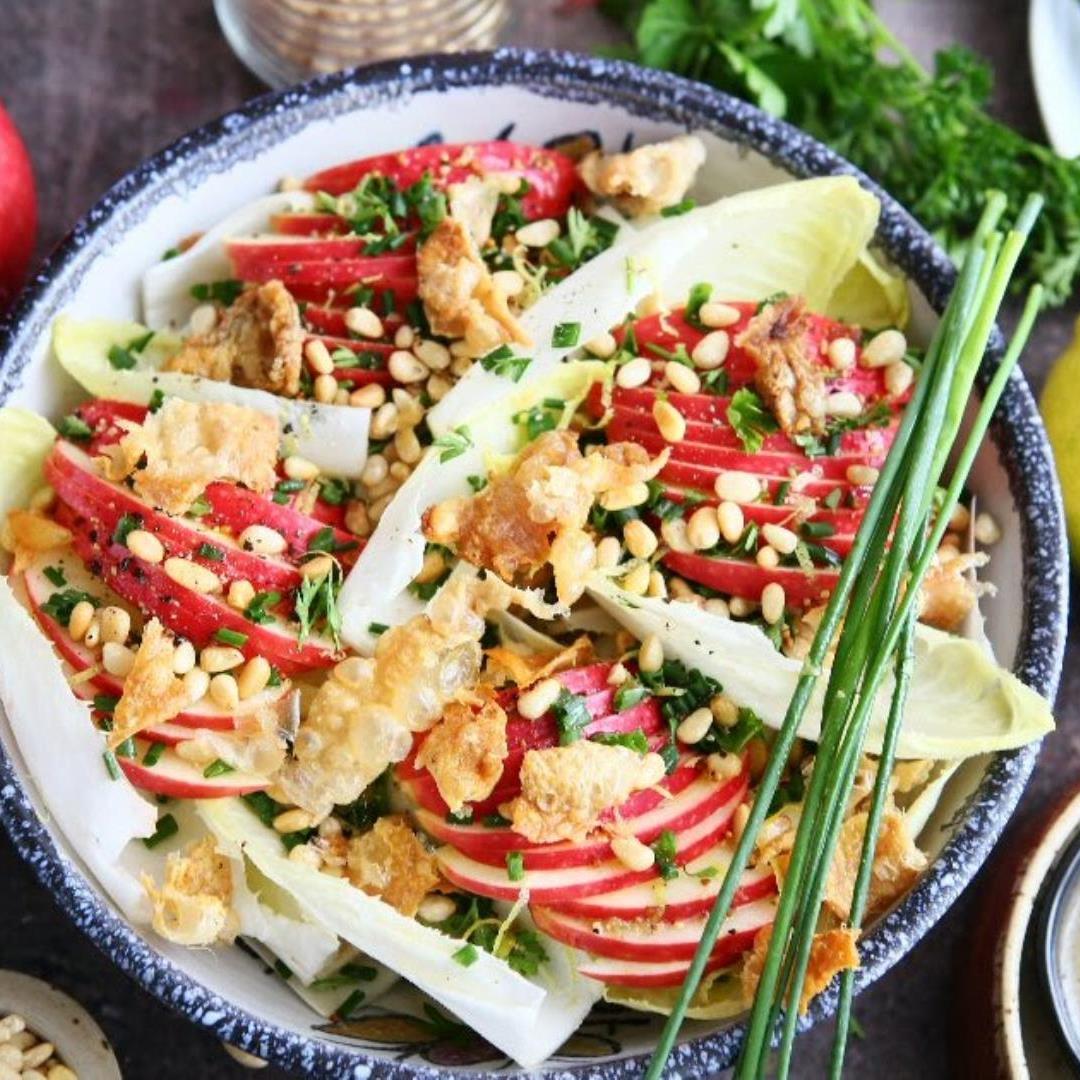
(484, 567)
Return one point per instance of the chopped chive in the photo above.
(56, 575)
(818, 529)
(258, 610)
(515, 865)
(157, 399)
(166, 827)
(208, 551)
(349, 1006)
(153, 754)
(477, 483)
(782, 490)
(565, 335)
(467, 955)
(120, 358)
(126, 749)
(230, 637)
(105, 703)
(111, 765)
(832, 500)
(678, 208)
(377, 628)
(74, 427)
(217, 768)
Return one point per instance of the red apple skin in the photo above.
(18, 209)
(176, 778)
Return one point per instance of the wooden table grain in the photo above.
(96, 85)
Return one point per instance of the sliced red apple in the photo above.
(313, 224)
(173, 776)
(745, 578)
(400, 289)
(340, 273)
(254, 258)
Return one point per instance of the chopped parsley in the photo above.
(515, 865)
(665, 848)
(467, 955)
(153, 754)
(477, 483)
(453, 444)
(502, 361)
(209, 552)
(540, 418)
(750, 419)
(372, 804)
(222, 292)
(376, 629)
(105, 703)
(678, 208)
(316, 605)
(217, 768)
(74, 427)
(286, 489)
(571, 715)
(732, 740)
(333, 491)
(157, 399)
(629, 694)
(632, 740)
(60, 605)
(257, 610)
(166, 827)
(325, 541)
(263, 807)
(565, 335)
(698, 298)
(56, 575)
(120, 358)
(585, 238)
(127, 524)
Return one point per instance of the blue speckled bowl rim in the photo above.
(1017, 433)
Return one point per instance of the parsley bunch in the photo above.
(835, 69)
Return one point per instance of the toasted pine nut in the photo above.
(737, 487)
(368, 397)
(115, 624)
(385, 421)
(898, 378)
(632, 853)
(711, 351)
(408, 446)
(730, 518)
(92, 638)
(82, 615)
(306, 855)
(841, 353)
(538, 699)
(740, 607)
(145, 545)
(767, 557)
(356, 519)
(674, 534)
(224, 692)
(843, 403)
(723, 766)
(625, 497)
(640, 540)
(215, 658)
(657, 585)
(784, 540)
(683, 379)
(11, 1025)
(651, 654)
(11, 1061)
(862, 475)
(117, 659)
(716, 315)
(299, 468)
(196, 684)
(703, 529)
(669, 420)
(636, 579)
(202, 320)
(61, 1072)
(738, 822)
(374, 470)
(318, 356)
(364, 322)
(772, 602)
(241, 593)
(404, 336)
(987, 530)
(725, 711)
(508, 282)
(293, 820)
(884, 348)
(538, 234)
(37, 1055)
(436, 908)
(608, 552)
(183, 659)
(324, 389)
(695, 727)
(433, 354)
(253, 677)
(262, 540)
(317, 568)
(633, 373)
(438, 387)
(602, 346)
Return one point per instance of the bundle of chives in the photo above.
(875, 600)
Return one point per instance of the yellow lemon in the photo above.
(1060, 405)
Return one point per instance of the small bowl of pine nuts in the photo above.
(45, 1035)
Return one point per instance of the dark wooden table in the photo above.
(99, 84)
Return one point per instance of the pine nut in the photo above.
(767, 557)
(306, 855)
(841, 353)
(738, 487)
(680, 590)
(438, 387)
(640, 540)
(224, 692)
(884, 348)
(960, 518)
(404, 337)
(843, 403)
(695, 727)
(898, 378)
(262, 540)
(608, 552)
(432, 568)
(364, 322)
(433, 354)
(43, 499)
(436, 908)
(293, 820)
(657, 585)
(987, 530)
(862, 475)
(215, 658)
(356, 519)
(703, 529)
(145, 545)
(772, 602)
(461, 365)
(408, 446)
(725, 711)
(669, 420)
(632, 853)
(538, 699)
(325, 389)
(374, 470)
(384, 422)
(184, 658)
(651, 654)
(82, 615)
(117, 659)
(11, 1025)
(37, 1055)
(723, 767)
(634, 373)
(202, 320)
(367, 397)
(718, 607)
(538, 234)
(241, 593)
(318, 356)
(711, 351)
(61, 1072)
(11, 1061)
(625, 497)
(683, 379)
(115, 624)
(196, 684)
(92, 638)
(636, 580)
(508, 282)
(738, 822)
(603, 346)
(784, 540)
(674, 534)
(716, 315)
(299, 468)
(740, 607)
(316, 569)
(730, 518)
